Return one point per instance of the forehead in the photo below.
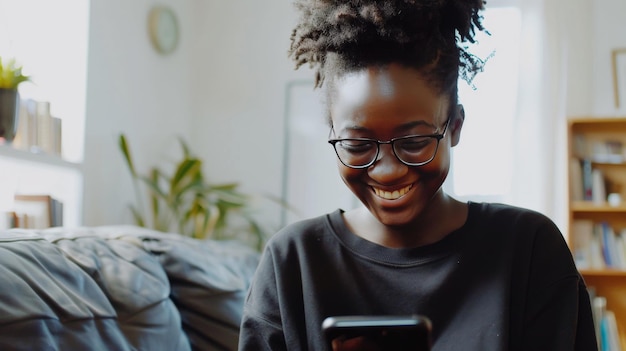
(385, 98)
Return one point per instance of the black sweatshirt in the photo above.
(506, 280)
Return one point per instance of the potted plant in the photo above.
(186, 203)
(10, 78)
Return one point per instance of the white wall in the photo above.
(134, 90)
(222, 89)
(580, 45)
(242, 48)
(609, 29)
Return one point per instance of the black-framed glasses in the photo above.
(412, 150)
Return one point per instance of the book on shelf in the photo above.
(608, 244)
(580, 146)
(598, 308)
(590, 184)
(599, 151)
(605, 323)
(8, 220)
(608, 151)
(597, 259)
(620, 249)
(582, 232)
(37, 211)
(587, 180)
(609, 334)
(598, 187)
(597, 245)
(576, 180)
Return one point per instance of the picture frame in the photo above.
(618, 65)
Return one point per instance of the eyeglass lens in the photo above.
(410, 150)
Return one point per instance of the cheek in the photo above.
(440, 165)
(349, 175)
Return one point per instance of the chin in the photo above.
(396, 218)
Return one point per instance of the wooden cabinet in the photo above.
(597, 161)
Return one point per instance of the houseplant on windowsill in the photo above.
(10, 78)
(186, 203)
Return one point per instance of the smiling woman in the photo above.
(395, 185)
(489, 276)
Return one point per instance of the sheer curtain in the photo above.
(553, 41)
(526, 166)
(539, 137)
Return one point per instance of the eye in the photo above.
(414, 144)
(356, 146)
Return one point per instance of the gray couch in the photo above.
(120, 288)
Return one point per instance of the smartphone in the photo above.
(397, 333)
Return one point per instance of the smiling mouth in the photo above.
(392, 195)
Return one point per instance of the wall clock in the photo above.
(163, 28)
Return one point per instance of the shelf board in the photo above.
(597, 124)
(37, 157)
(602, 160)
(607, 163)
(603, 272)
(588, 206)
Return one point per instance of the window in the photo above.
(482, 164)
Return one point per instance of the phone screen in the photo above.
(373, 333)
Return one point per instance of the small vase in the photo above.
(9, 112)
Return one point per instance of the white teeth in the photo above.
(396, 194)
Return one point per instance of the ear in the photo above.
(458, 117)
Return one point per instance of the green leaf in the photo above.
(154, 199)
(138, 217)
(195, 188)
(155, 188)
(201, 221)
(256, 230)
(195, 207)
(227, 186)
(11, 74)
(186, 172)
(201, 218)
(186, 151)
(123, 144)
(259, 233)
(232, 197)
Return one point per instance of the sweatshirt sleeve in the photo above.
(558, 312)
(261, 327)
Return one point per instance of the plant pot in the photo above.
(9, 111)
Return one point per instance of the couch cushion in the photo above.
(209, 289)
(78, 290)
(209, 280)
(120, 288)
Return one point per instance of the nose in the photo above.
(387, 168)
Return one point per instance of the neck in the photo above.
(443, 215)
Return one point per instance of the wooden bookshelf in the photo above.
(601, 144)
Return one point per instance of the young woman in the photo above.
(488, 276)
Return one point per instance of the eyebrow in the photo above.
(414, 124)
(399, 128)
